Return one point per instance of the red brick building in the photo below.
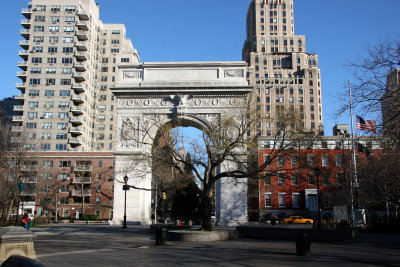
(70, 182)
(289, 185)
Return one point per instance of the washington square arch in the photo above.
(196, 94)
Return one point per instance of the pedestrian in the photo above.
(26, 221)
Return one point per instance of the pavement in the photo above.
(104, 245)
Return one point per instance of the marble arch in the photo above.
(197, 93)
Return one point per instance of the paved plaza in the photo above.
(103, 245)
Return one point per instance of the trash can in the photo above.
(87, 221)
(161, 236)
(303, 244)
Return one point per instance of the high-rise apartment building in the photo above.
(285, 77)
(69, 63)
(390, 104)
(70, 60)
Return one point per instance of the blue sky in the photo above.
(213, 30)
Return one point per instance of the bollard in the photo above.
(303, 244)
(161, 236)
(87, 221)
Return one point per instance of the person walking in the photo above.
(26, 221)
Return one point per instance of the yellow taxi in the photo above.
(297, 219)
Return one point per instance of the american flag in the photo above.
(365, 124)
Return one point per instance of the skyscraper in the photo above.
(285, 77)
(69, 62)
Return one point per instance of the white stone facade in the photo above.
(197, 93)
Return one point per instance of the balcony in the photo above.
(76, 130)
(75, 141)
(79, 66)
(82, 46)
(17, 118)
(27, 12)
(23, 65)
(79, 87)
(82, 25)
(19, 97)
(82, 35)
(83, 168)
(21, 75)
(80, 76)
(24, 54)
(16, 128)
(76, 120)
(25, 33)
(83, 14)
(30, 168)
(20, 86)
(16, 139)
(28, 193)
(83, 180)
(77, 110)
(29, 180)
(18, 108)
(77, 98)
(24, 44)
(81, 56)
(26, 23)
(78, 193)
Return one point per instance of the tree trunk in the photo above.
(9, 209)
(205, 212)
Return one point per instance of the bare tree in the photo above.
(227, 142)
(369, 83)
(17, 160)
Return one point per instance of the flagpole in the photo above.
(354, 158)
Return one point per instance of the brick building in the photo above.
(71, 184)
(289, 185)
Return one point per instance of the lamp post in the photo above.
(317, 172)
(125, 188)
(20, 187)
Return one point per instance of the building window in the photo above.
(311, 179)
(267, 179)
(64, 164)
(295, 200)
(294, 160)
(267, 160)
(268, 200)
(310, 160)
(295, 179)
(67, 50)
(61, 147)
(47, 125)
(326, 178)
(63, 176)
(53, 39)
(281, 200)
(281, 160)
(325, 160)
(70, 8)
(281, 179)
(339, 160)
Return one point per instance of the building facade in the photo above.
(66, 111)
(70, 60)
(290, 184)
(390, 104)
(285, 77)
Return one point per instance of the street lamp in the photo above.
(20, 187)
(125, 187)
(317, 172)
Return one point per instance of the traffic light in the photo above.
(164, 195)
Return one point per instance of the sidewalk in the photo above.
(101, 245)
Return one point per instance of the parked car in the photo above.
(297, 219)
